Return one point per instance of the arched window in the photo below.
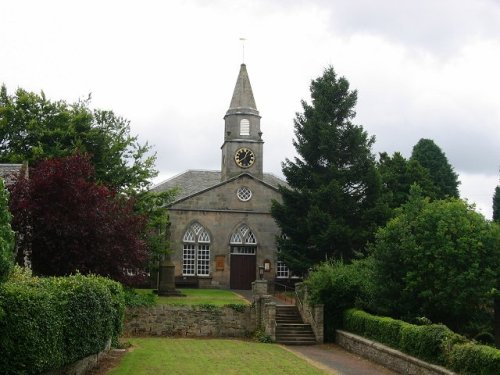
(243, 241)
(244, 127)
(196, 251)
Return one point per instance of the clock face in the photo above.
(244, 157)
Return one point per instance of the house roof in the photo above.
(195, 181)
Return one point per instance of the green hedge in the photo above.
(433, 343)
(51, 322)
(472, 359)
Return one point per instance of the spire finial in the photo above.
(243, 46)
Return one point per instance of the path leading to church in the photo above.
(330, 356)
(338, 360)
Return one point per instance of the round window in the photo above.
(244, 194)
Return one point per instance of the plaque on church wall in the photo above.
(219, 263)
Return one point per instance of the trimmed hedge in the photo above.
(51, 322)
(433, 343)
(472, 359)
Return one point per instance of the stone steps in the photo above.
(290, 329)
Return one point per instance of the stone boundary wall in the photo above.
(189, 321)
(82, 366)
(388, 357)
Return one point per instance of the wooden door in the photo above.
(243, 271)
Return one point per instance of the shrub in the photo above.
(472, 359)
(6, 235)
(339, 287)
(134, 299)
(51, 322)
(431, 343)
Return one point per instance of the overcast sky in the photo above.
(423, 69)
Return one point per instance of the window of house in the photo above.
(244, 127)
(196, 251)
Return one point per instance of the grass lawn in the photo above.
(218, 297)
(160, 356)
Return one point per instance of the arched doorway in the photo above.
(243, 258)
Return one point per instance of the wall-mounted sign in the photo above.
(219, 262)
(267, 265)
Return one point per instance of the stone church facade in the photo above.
(221, 226)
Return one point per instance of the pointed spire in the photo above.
(242, 100)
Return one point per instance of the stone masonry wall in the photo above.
(388, 357)
(189, 321)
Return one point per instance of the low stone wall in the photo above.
(388, 357)
(189, 321)
(82, 366)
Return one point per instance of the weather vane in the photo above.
(243, 45)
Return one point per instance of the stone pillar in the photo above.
(319, 322)
(260, 305)
(270, 324)
(259, 288)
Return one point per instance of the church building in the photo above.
(221, 229)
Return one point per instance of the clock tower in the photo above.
(243, 144)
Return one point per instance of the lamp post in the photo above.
(261, 272)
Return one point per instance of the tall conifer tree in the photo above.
(332, 205)
(430, 156)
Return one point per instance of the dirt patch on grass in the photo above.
(109, 361)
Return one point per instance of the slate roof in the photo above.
(9, 172)
(194, 181)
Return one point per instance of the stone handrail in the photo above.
(311, 314)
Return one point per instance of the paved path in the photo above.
(331, 357)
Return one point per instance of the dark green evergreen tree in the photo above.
(333, 204)
(399, 174)
(430, 156)
(496, 205)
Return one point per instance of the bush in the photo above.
(52, 322)
(433, 343)
(382, 329)
(134, 299)
(338, 287)
(6, 235)
(428, 342)
(472, 359)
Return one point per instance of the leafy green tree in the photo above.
(152, 206)
(6, 235)
(430, 156)
(496, 219)
(340, 286)
(399, 174)
(437, 259)
(34, 128)
(333, 204)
